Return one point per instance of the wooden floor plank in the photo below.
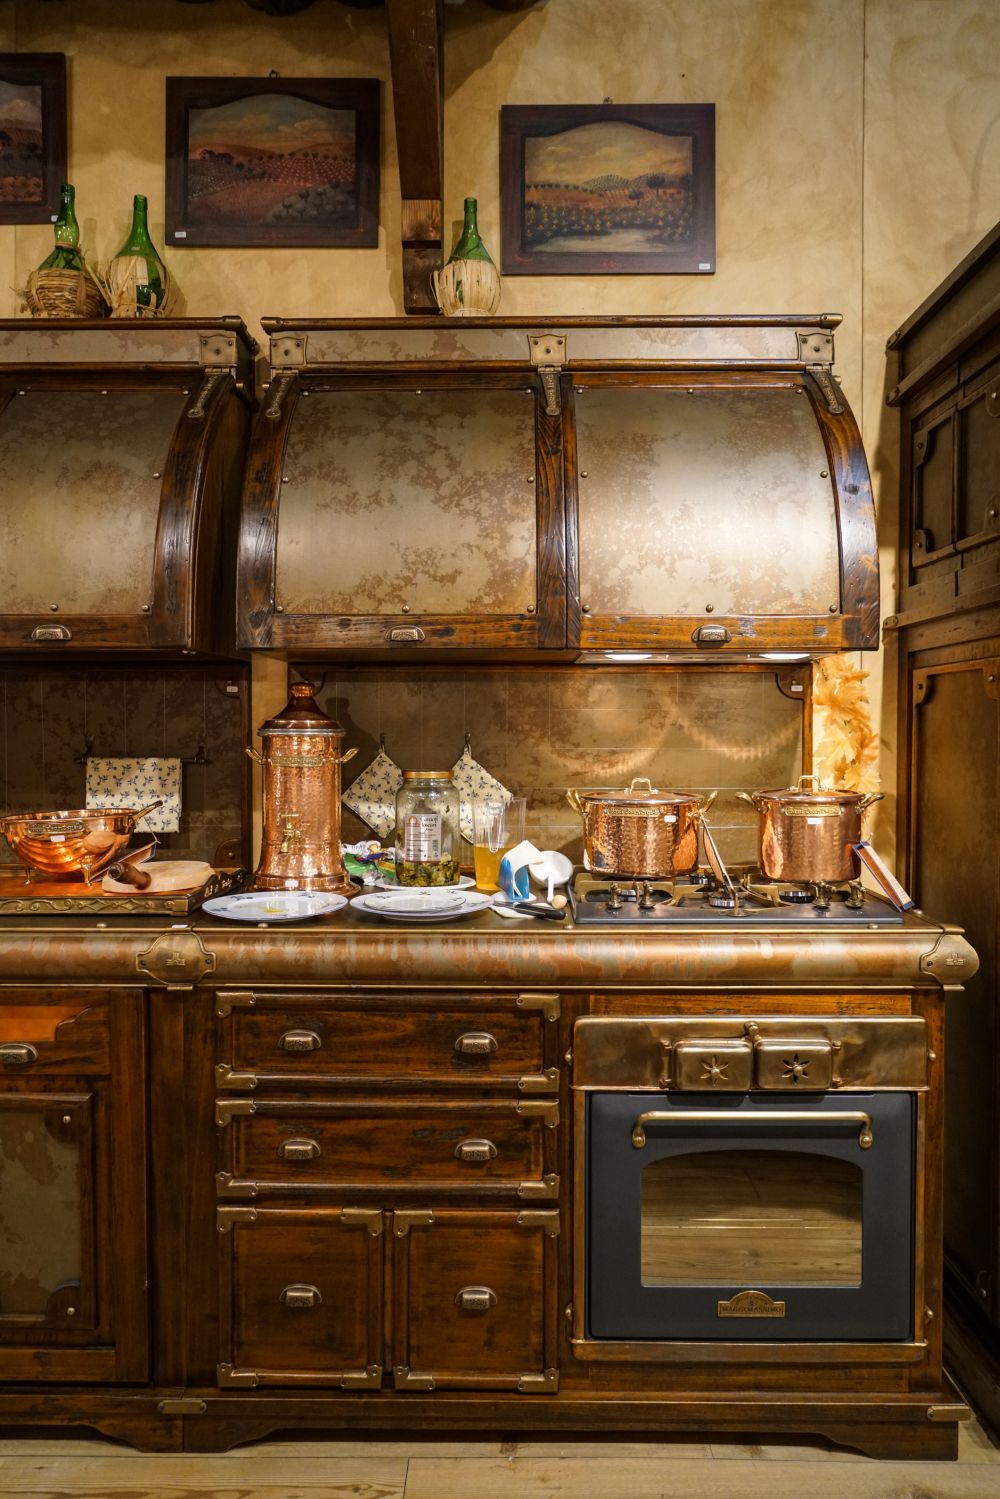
(437, 1478)
(358, 1477)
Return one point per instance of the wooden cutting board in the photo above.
(164, 875)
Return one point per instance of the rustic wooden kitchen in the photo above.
(657, 1147)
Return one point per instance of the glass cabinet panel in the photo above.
(92, 466)
(422, 499)
(738, 1217)
(704, 500)
(42, 1202)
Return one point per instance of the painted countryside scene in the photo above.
(21, 158)
(610, 186)
(272, 160)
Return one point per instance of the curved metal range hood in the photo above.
(675, 489)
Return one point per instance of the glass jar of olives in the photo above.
(427, 831)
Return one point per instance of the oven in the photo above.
(748, 1179)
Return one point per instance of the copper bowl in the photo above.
(72, 843)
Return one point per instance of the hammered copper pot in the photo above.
(640, 833)
(301, 763)
(83, 842)
(807, 835)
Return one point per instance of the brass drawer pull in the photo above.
(300, 1297)
(476, 1150)
(476, 1044)
(298, 1150)
(18, 1053)
(300, 1041)
(759, 1116)
(476, 1299)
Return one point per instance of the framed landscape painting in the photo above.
(607, 189)
(32, 136)
(272, 161)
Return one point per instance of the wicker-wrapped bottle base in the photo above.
(123, 274)
(467, 288)
(56, 293)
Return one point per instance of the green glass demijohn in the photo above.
(137, 277)
(65, 256)
(469, 285)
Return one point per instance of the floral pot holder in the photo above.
(372, 795)
(474, 784)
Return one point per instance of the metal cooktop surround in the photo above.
(699, 897)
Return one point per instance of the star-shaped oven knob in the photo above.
(795, 1069)
(714, 1071)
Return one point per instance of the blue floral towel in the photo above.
(136, 783)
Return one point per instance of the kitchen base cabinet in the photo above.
(370, 1203)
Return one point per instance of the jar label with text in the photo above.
(422, 837)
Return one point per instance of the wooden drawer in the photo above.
(475, 1300)
(457, 1041)
(287, 1146)
(301, 1296)
(55, 1031)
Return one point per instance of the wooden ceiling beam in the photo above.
(416, 57)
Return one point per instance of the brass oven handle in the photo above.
(300, 1296)
(18, 1053)
(759, 1116)
(300, 1041)
(475, 1150)
(476, 1298)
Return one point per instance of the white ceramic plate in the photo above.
(275, 905)
(442, 904)
(465, 882)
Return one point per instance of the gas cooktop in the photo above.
(700, 897)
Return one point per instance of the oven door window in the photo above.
(723, 1216)
(750, 1217)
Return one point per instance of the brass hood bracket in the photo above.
(548, 355)
(816, 353)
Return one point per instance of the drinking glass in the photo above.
(498, 827)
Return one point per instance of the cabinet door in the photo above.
(475, 1300)
(73, 1298)
(301, 1296)
(709, 515)
(422, 514)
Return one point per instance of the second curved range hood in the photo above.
(630, 488)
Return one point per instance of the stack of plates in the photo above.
(422, 904)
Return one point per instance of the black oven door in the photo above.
(750, 1216)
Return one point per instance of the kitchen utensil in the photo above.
(528, 908)
(83, 842)
(428, 904)
(301, 763)
(640, 832)
(883, 877)
(164, 876)
(808, 834)
(498, 825)
(275, 905)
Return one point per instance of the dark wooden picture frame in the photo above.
(32, 135)
(607, 189)
(272, 162)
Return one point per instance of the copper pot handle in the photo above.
(873, 796)
(347, 755)
(573, 797)
(705, 805)
(640, 781)
(255, 755)
(151, 808)
(748, 796)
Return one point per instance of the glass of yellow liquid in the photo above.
(499, 826)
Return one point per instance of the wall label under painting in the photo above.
(607, 189)
(272, 161)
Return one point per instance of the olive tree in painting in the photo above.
(272, 161)
(607, 189)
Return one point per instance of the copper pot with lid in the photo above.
(301, 763)
(807, 835)
(639, 832)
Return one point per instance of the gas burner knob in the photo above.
(796, 897)
(698, 878)
(614, 898)
(644, 894)
(722, 900)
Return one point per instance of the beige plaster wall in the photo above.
(858, 153)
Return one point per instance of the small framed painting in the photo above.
(272, 161)
(32, 136)
(607, 189)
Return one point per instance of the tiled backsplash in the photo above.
(540, 730)
(51, 715)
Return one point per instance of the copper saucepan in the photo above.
(82, 842)
(807, 835)
(640, 833)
